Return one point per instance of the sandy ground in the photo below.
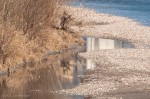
(90, 23)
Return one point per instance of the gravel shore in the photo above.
(124, 71)
(118, 72)
(130, 59)
(100, 25)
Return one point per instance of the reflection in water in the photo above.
(93, 43)
(98, 43)
(90, 64)
(41, 84)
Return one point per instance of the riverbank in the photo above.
(25, 52)
(34, 50)
(24, 70)
(90, 23)
(110, 78)
(27, 34)
(31, 45)
(43, 77)
(119, 72)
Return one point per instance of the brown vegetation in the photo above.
(26, 32)
(28, 16)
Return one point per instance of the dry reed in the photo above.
(28, 17)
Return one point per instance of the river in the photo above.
(138, 10)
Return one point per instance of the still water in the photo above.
(43, 82)
(93, 43)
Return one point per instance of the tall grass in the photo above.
(27, 16)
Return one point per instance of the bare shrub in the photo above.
(27, 16)
(30, 16)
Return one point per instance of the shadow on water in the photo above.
(44, 81)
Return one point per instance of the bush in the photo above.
(27, 16)
(30, 16)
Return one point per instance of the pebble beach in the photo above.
(117, 71)
(109, 26)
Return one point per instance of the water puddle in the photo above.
(40, 83)
(93, 43)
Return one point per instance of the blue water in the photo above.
(138, 10)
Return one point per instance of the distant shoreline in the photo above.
(138, 12)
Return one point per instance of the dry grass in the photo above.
(29, 16)
(21, 28)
